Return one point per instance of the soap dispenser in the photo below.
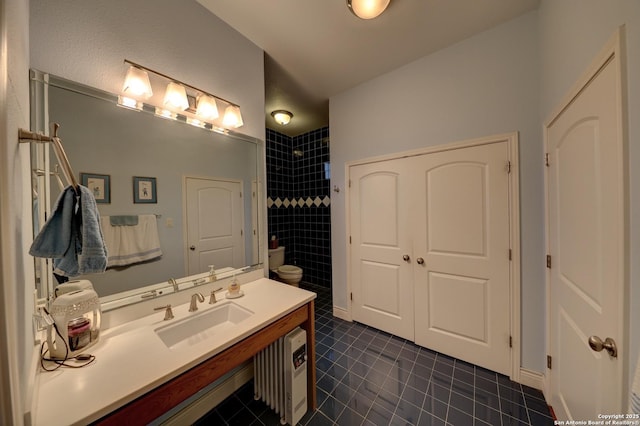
(233, 291)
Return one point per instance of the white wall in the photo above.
(572, 32)
(485, 85)
(16, 269)
(88, 40)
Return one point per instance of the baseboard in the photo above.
(342, 314)
(194, 411)
(533, 379)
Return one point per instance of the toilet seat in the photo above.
(289, 270)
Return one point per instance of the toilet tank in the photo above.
(276, 257)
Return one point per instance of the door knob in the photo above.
(406, 258)
(192, 248)
(609, 344)
(420, 261)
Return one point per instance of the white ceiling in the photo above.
(315, 49)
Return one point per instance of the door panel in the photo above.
(456, 211)
(214, 224)
(470, 295)
(586, 244)
(382, 284)
(462, 290)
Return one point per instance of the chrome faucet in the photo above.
(195, 298)
(174, 283)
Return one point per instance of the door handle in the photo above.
(406, 258)
(420, 261)
(192, 248)
(609, 344)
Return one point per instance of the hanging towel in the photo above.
(54, 238)
(132, 244)
(72, 237)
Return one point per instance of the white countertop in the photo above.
(132, 360)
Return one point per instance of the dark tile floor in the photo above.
(368, 377)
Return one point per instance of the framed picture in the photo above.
(100, 186)
(144, 190)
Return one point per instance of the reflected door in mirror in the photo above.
(215, 215)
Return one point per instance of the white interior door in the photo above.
(586, 244)
(382, 285)
(461, 270)
(214, 218)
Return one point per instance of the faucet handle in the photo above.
(168, 313)
(212, 298)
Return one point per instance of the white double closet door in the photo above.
(430, 251)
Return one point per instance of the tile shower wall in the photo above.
(299, 202)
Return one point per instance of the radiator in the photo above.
(280, 376)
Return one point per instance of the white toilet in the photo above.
(287, 273)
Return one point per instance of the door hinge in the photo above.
(349, 183)
(351, 296)
(549, 261)
(546, 159)
(349, 239)
(549, 362)
(241, 232)
(508, 166)
(510, 254)
(510, 341)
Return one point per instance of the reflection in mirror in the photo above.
(197, 188)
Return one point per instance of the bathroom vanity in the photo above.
(145, 367)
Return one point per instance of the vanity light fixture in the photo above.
(367, 9)
(179, 101)
(282, 116)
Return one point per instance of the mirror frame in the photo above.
(41, 182)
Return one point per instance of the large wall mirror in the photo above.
(122, 151)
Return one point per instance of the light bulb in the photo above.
(176, 96)
(136, 83)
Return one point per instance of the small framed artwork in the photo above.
(100, 186)
(144, 190)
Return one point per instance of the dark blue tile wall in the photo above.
(297, 169)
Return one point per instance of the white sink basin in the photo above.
(202, 326)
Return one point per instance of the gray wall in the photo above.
(485, 85)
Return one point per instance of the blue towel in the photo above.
(55, 236)
(129, 220)
(73, 235)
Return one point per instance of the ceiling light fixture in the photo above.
(179, 101)
(367, 9)
(282, 116)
